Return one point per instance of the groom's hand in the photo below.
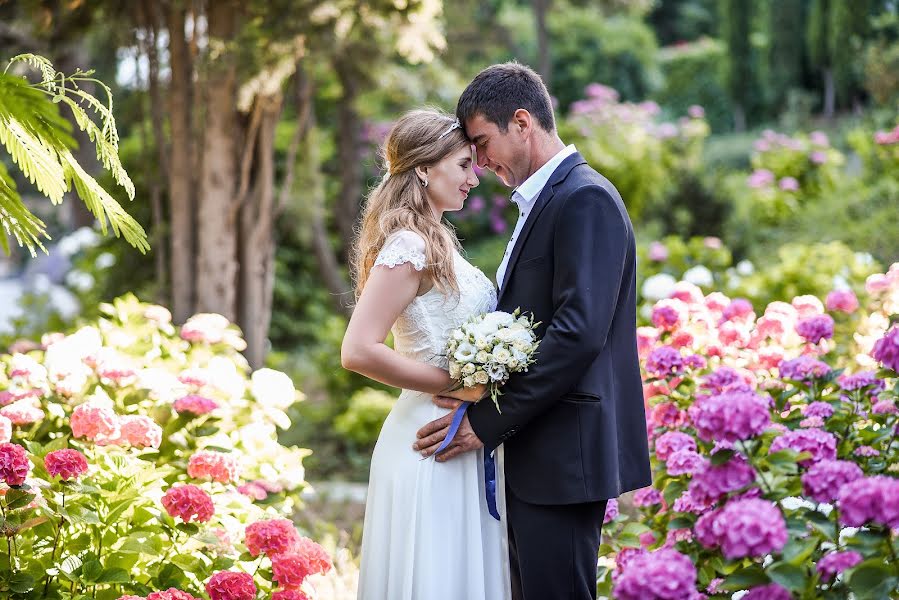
(432, 435)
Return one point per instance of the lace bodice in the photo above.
(422, 329)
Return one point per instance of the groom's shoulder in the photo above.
(583, 179)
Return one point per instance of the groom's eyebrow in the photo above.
(476, 140)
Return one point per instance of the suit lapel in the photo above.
(543, 199)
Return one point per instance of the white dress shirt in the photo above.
(525, 196)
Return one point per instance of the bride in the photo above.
(427, 530)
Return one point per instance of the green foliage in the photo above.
(693, 75)
(618, 51)
(107, 532)
(362, 420)
(38, 141)
(786, 50)
(742, 61)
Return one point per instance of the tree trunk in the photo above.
(217, 256)
(544, 60)
(829, 93)
(349, 140)
(181, 188)
(150, 18)
(257, 248)
(739, 118)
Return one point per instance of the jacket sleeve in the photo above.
(590, 246)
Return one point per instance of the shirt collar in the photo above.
(526, 194)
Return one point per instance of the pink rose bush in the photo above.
(774, 457)
(136, 437)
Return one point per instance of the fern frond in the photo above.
(103, 206)
(16, 219)
(40, 63)
(107, 147)
(38, 163)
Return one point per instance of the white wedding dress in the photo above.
(428, 534)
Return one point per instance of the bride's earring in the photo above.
(424, 183)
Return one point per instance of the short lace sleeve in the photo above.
(402, 247)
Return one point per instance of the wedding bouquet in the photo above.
(489, 348)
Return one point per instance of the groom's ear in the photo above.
(522, 119)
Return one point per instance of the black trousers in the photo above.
(553, 549)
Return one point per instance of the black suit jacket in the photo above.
(573, 426)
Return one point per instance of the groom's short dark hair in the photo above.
(499, 90)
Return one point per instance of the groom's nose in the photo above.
(482, 159)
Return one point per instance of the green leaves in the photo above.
(873, 579)
(36, 136)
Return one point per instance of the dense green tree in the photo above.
(742, 75)
(785, 50)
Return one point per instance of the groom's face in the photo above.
(503, 152)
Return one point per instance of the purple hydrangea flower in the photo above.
(884, 407)
(739, 308)
(730, 416)
(818, 409)
(870, 499)
(866, 451)
(611, 511)
(760, 178)
(648, 496)
(725, 379)
(803, 368)
(860, 380)
(685, 462)
(751, 528)
(663, 574)
(837, 562)
(664, 361)
(695, 361)
(824, 479)
(672, 441)
(772, 591)
(816, 328)
(886, 349)
(688, 503)
(822, 445)
(709, 484)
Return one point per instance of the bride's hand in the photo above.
(469, 394)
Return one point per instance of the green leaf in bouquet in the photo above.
(789, 576)
(798, 551)
(245, 557)
(21, 583)
(873, 580)
(744, 578)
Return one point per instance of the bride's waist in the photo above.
(417, 406)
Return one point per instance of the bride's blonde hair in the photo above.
(399, 200)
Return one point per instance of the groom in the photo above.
(573, 427)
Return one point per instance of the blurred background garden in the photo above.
(756, 145)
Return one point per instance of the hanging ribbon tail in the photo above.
(489, 464)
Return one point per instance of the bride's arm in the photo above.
(388, 290)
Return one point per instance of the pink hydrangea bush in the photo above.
(126, 452)
(774, 456)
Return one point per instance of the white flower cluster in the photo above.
(490, 347)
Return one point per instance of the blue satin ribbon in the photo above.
(489, 463)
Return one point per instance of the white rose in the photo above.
(468, 381)
(499, 319)
(482, 357)
(481, 343)
(458, 335)
(501, 355)
(481, 377)
(519, 356)
(455, 370)
(468, 369)
(512, 364)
